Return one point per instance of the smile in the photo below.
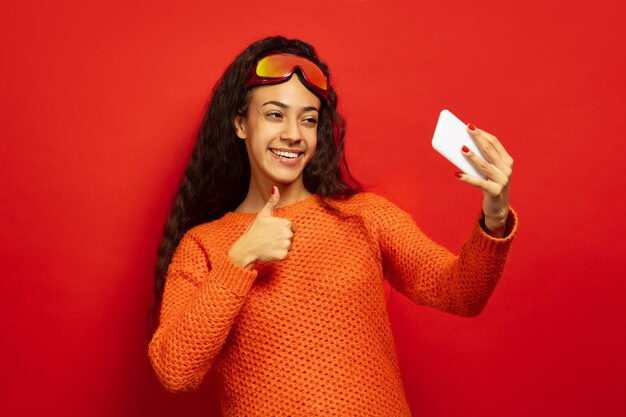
(286, 157)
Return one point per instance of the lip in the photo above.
(285, 161)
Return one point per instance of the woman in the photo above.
(277, 280)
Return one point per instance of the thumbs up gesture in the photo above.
(266, 239)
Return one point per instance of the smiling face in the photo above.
(280, 131)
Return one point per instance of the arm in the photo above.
(202, 296)
(463, 284)
(431, 275)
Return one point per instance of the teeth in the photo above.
(285, 154)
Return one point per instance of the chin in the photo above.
(284, 180)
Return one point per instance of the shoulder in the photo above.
(207, 235)
(367, 202)
(375, 210)
(200, 231)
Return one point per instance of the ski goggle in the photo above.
(276, 68)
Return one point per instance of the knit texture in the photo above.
(310, 335)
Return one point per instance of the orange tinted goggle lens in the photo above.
(281, 66)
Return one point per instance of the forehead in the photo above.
(291, 92)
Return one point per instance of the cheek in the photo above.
(254, 147)
(312, 141)
(312, 152)
(259, 137)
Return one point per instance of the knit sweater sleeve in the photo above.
(203, 294)
(431, 275)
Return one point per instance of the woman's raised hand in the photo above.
(497, 168)
(266, 239)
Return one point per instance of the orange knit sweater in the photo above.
(310, 335)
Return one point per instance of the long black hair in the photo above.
(218, 175)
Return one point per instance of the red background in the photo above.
(100, 103)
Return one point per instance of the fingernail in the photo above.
(471, 127)
(465, 149)
(272, 190)
(458, 174)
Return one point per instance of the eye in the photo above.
(274, 115)
(310, 120)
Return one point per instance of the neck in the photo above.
(258, 194)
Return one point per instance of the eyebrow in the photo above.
(284, 106)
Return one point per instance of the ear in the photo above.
(240, 127)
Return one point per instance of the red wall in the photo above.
(100, 103)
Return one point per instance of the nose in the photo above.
(292, 131)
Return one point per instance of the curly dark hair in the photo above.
(217, 178)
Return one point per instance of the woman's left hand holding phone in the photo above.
(497, 169)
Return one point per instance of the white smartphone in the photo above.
(449, 137)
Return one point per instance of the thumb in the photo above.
(268, 208)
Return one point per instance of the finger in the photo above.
(249, 225)
(486, 148)
(291, 226)
(496, 144)
(268, 208)
(484, 167)
(280, 255)
(490, 187)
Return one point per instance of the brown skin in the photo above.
(268, 238)
(284, 116)
(288, 122)
(281, 116)
(497, 168)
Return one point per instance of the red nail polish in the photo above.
(272, 190)
(465, 149)
(471, 127)
(458, 174)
